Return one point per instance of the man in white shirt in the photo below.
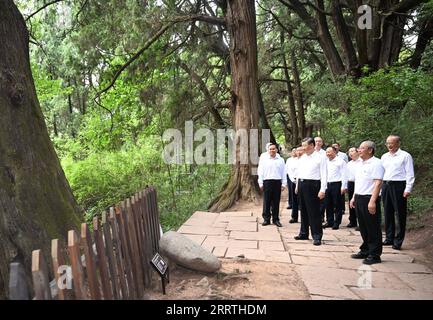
(290, 162)
(294, 176)
(340, 154)
(311, 187)
(266, 152)
(336, 188)
(318, 141)
(398, 181)
(352, 166)
(319, 148)
(272, 180)
(366, 201)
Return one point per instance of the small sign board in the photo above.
(159, 264)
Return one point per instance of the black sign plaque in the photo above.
(159, 264)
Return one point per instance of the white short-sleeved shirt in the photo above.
(271, 169)
(313, 167)
(352, 166)
(399, 167)
(337, 169)
(368, 171)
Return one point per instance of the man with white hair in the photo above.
(397, 185)
(366, 201)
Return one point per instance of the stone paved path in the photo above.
(327, 271)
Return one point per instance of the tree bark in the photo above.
(290, 97)
(36, 202)
(241, 24)
(424, 38)
(299, 95)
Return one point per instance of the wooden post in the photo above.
(147, 237)
(18, 289)
(41, 284)
(119, 254)
(77, 267)
(102, 261)
(127, 252)
(137, 209)
(112, 265)
(86, 243)
(58, 260)
(136, 254)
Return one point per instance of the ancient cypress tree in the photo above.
(36, 202)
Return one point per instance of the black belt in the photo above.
(308, 180)
(389, 182)
(334, 182)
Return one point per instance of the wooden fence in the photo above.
(109, 261)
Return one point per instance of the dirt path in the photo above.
(267, 263)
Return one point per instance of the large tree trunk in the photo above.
(241, 24)
(291, 99)
(299, 95)
(36, 202)
(424, 38)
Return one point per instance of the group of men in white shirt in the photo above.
(318, 180)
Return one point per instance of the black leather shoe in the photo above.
(351, 225)
(359, 255)
(293, 221)
(395, 247)
(326, 225)
(371, 260)
(317, 242)
(301, 238)
(388, 243)
(278, 224)
(335, 227)
(266, 223)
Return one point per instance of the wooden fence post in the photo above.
(119, 254)
(77, 267)
(110, 256)
(102, 261)
(86, 243)
(41, 283)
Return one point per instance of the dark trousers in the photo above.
(334, 203)
(290, 190)
(369, 226)
(352, 211)
(310, 208)
(394, 203)
(271, 201)
(322, 209)
(295, 204)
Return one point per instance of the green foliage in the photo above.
(105, 178)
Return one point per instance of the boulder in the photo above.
(187, 253)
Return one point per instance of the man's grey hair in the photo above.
(370, 145)
(396, 136)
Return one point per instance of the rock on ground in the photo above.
(187, 253)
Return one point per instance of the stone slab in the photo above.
(390, 294)
(201, 230)
(236, 214)
(241, 226)
(244, 235)
(271, 245)
(219, 251)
